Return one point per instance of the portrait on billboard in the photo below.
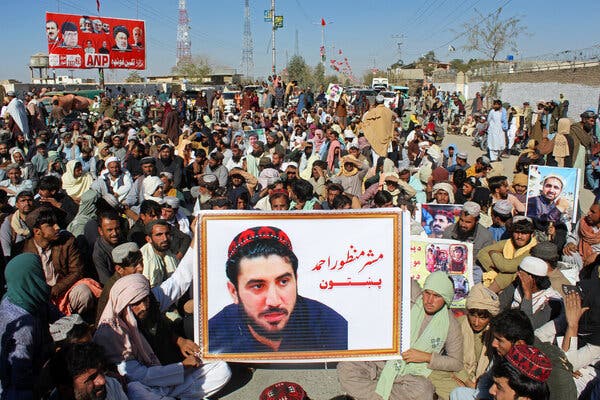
(81, 41)
(269, 291)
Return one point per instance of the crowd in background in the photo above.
(97, 209)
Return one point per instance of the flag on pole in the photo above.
(323, 23)
(98, 6)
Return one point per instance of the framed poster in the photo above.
(435, 218)
(302, 286)
(452, 256)
(552, 194)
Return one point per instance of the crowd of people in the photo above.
(98, 250)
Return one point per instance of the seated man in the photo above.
(114, 183)
(109, 236)
(522, 374)
(510, 328)
(50, 194)
(14, 228)
(583, 244)
(532, 293)
(482, 305)
(468, 229)
(502, 259)
(267, 313)
(578, 327)
(61, 262)
(78, 371)
(159, 261)
(436, 346)
(130, 352)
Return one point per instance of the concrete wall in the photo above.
(581, 97)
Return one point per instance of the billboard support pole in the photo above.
(101, 77)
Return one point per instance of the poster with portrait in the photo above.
(83, 41)
(334, 92)
(435, 218)
(452, 256)
(553, 194)
(301, 286)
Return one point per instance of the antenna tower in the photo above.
(184, 43)
(248, 45)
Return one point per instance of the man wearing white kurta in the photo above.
(496, 130)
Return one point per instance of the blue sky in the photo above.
(363, 30)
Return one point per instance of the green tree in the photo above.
(299, 71)
(428, 62)
(134, 77)
(332, 79)
(194, 71)
(319, 75)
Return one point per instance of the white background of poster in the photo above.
(363, 307)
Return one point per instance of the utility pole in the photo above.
(296, 47)
(399, 42)
(273, 64)
(248, 46)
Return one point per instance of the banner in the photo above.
(302, 286)
(81, 41)
(456, 258)
(435, 218)
(552, 194)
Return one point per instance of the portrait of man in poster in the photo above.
(268, 314)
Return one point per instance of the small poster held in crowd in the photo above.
(334, 92)
(553, 194)
(435, 218)
(267, 290)
(452, 256)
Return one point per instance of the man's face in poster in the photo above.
(51, 30)
(440, 222)
(552, 188)
(267, 290)
(70, 38)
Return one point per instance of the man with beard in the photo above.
(167, 161)
(159, 261)
(215, 167)
(436, 351)
(114, 183)
(499, 189)
(236, 160)
(109, 236)
(502, 259)
(582, 135)
(442, 219)
(78, 372)
(468, 229)
(273, 145)
(583, 244)
(548, 206)
(268, 314)
(14, 228)
(136, 194)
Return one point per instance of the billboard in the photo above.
(81, 41)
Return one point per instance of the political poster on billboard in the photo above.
(267, 289)
(81, 41)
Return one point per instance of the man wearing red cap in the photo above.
(268, 314)
(521, 374)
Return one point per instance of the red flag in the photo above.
(98, 6)
(323, 22)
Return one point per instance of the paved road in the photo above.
(320, 381)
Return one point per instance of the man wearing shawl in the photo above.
(351, 175)
(436, 345)
(18, 121)
(482, 306)
(378, 126)
(14, 229)
(502, 258)
(127, 348)
(25, 342)
(75, 182)
(113, 184)
(583, 244)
